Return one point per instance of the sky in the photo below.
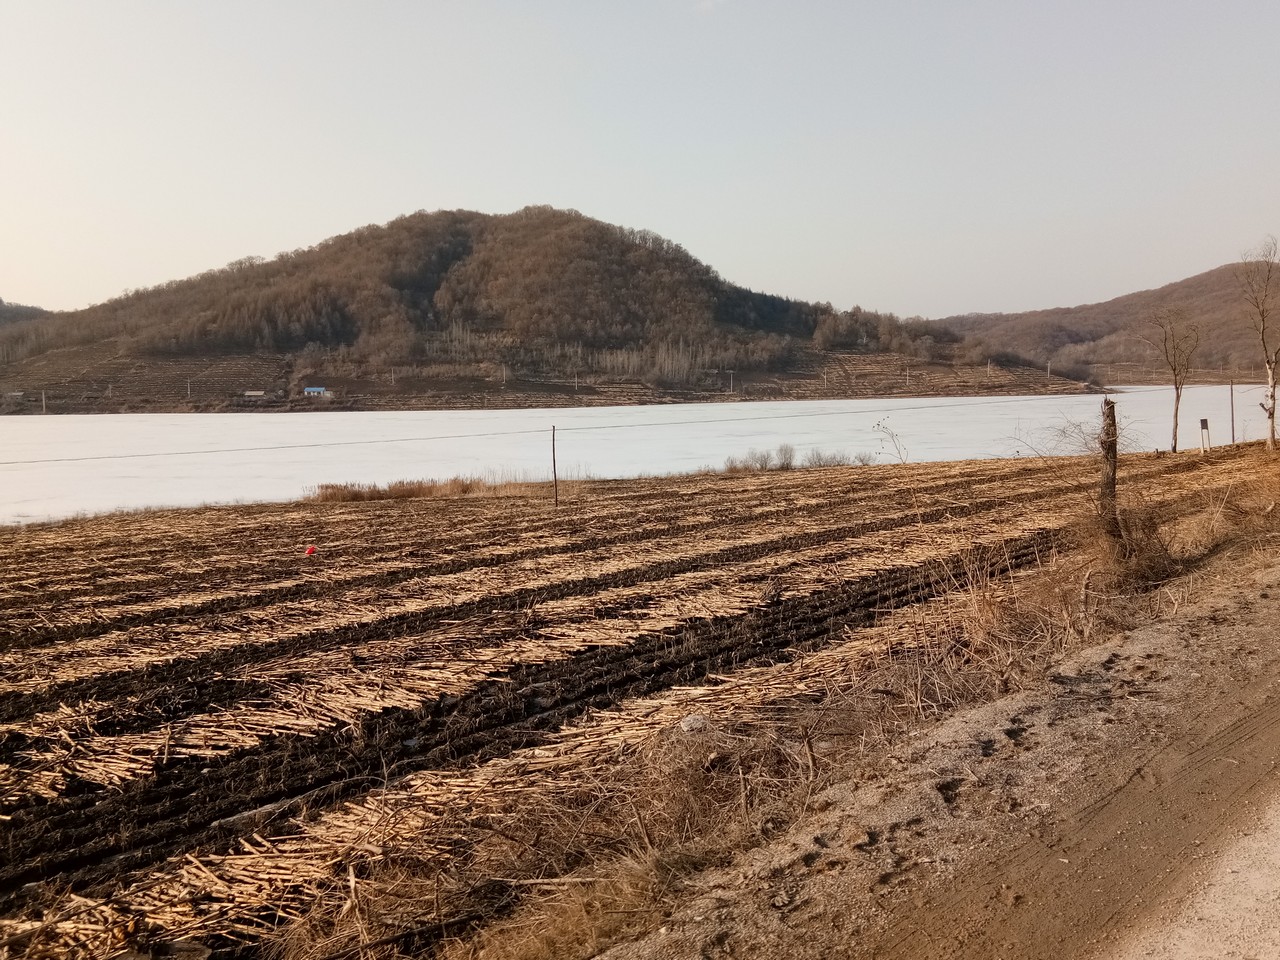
(924, 158)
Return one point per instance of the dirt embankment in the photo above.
(1119, 810)
(94, 380)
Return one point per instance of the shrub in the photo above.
(820, 458)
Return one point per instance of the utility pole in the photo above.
(1233, 413)
(44, 408)
(555, 477)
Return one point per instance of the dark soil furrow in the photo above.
(255, 595)
(158, 706)
(89, 842)
(16, 705)
(254, 581)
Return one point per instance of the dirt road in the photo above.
(1096, 872)
(1128, 809)
(1232, 911)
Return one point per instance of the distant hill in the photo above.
(536, 290)
(1099, 334)
(453, 301)
(13, 312)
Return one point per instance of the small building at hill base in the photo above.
(316, 392)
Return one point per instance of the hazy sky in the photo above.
(920, 157)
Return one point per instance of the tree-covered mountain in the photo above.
(538, 290)
(537, 296)
(1097, 334)
(13, 312)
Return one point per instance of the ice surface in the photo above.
(59, 466)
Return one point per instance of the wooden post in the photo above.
(1233, 413)
(1108, 509)
(555, 477)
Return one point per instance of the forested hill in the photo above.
(541, 296)
(454, 288)
(1097, 334)
(13, 312)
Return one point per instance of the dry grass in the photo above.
(489, 485)
(575, 872)
(570, 870)
(604, 849)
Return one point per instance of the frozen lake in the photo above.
(53, 467)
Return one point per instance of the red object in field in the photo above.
(311, 549)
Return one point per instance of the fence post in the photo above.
(555, 477)
(1108, 509)
(1233, 413)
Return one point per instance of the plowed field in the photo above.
(199, 722)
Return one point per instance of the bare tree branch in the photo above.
(1258, 276)
(1176, 340)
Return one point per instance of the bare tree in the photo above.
(1176, 339)
(1258, 275)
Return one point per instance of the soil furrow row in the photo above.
(236, 597)
(186, 805)
(23, 703)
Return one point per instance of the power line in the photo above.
(285, 446)
(511, 433)
(792, 416)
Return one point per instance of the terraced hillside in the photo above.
(204, 730)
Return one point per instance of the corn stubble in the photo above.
(482, 727)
